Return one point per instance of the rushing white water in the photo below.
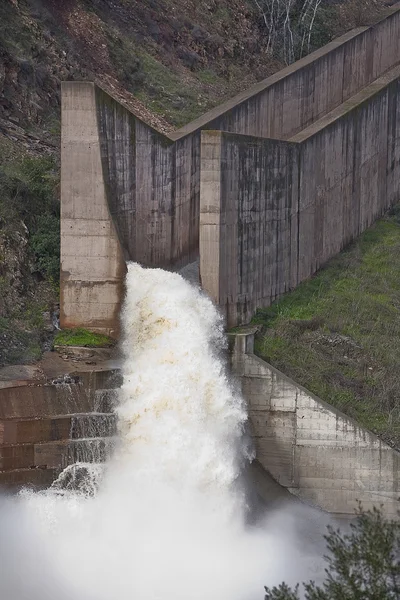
(169, 519)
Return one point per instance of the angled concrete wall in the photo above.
(249, 195)
(273, 212)
(309, 447)
(152, 187)
(132, 193)
(285, 103)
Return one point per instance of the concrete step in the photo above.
(35, 401)
(95, 380)
(62, 454)
(75, 393)
(62, 427)
(55, 454)
(91, 425)
(105, 400)
(35, 478)
(22, 431)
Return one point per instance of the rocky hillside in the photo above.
(167, 60)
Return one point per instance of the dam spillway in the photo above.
(262, 190)
(168, 514)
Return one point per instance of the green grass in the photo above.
(82, 337)
(338, 334)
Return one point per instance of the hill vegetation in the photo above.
(338, 334)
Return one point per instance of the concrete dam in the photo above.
(261, 190)
(257, 194)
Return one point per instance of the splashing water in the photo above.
(166, 518)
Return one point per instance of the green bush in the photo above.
(29, 193)
(361, 565)
(32, 183)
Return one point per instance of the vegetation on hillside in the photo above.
(29, 195)
(294, 29)
(29, 253)
(361, 565)
(338, 334)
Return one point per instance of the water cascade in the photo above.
(167, 516)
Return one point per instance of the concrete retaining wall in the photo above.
(248, 221)
(132, 193)
(309, 447)
(273, 212)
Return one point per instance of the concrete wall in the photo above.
(152, 187)
(92, 265)
(272, 212)
(283, 104)
(130, 192)
(349, 171)
(309, 447)
(249, 195)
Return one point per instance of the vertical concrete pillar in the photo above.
(210, 213)
(92, 264)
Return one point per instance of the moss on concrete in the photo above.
(338, 334)
(82, 337)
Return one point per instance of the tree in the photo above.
(361, 565)
(289, 24)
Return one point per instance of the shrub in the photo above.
(361, 565)
(29, 193)
(45, 243)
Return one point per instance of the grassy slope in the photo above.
(338, 334)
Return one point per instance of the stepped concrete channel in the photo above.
(306, 451)
(46, 426)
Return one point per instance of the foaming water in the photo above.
(167, 516)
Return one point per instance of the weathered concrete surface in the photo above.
(45, 427)
(151, 187)
(248, 221)
(92, 264)
(273, 212)
(283, 104)
(313, 450)
(123, 180)
(36, 478)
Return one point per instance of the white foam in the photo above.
(169, 519)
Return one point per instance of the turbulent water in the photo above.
(167, 518)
